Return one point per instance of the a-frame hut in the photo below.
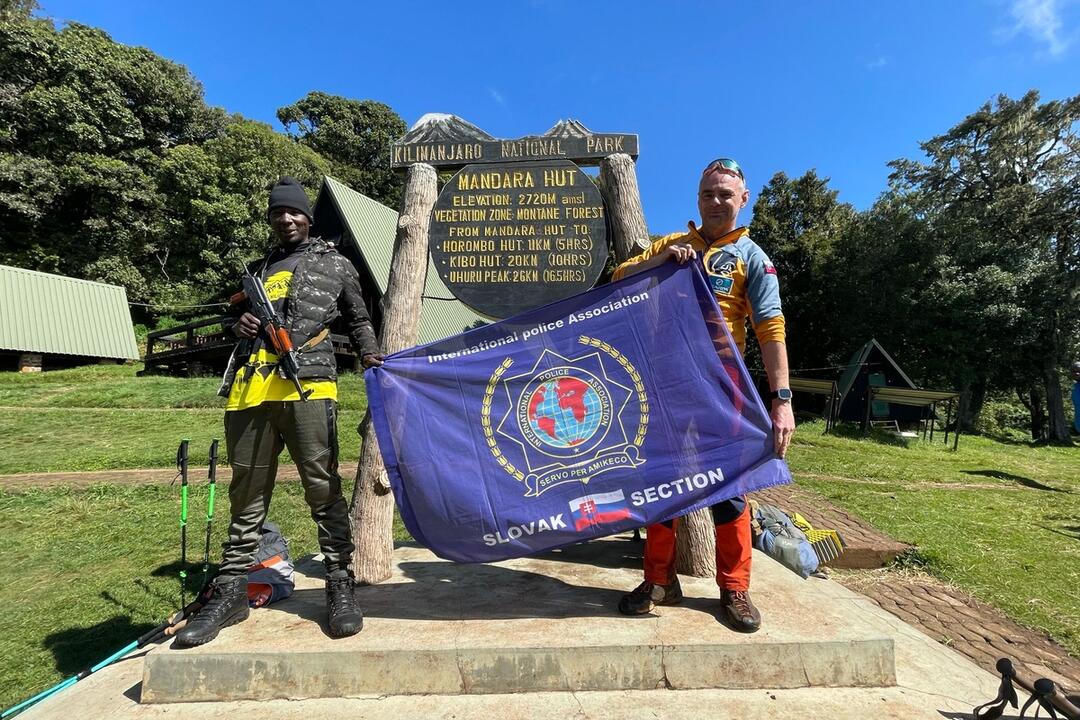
(872, 366)
(363, 230)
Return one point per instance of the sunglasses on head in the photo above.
(726, 164)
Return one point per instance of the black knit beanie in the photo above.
(288, 192)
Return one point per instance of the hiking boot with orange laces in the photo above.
(648, 595)
(740, 611)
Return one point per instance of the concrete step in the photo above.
(539, 624)
(547, 605)
(833, 703)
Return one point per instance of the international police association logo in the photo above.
(566, 419)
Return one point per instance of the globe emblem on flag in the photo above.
(564, 412)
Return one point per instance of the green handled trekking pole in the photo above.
(182, 467)
(210, 509)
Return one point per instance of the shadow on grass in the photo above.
(1019, 480)
(78, 648)
(1069, 531)
(853, 431)
(1027, 442)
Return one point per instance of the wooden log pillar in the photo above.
(696, 547)
(619, 186)
(372, 508)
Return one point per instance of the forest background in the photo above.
(966, 268)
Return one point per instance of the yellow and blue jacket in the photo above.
(741, 276)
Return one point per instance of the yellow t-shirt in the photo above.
(258, 381)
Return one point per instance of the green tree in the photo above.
(1000, 193)
(12, 10)
(84, 126)
(355, 135)
(216, 195)
(113, 168)
(799, 222)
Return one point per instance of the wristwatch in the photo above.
(782, 394)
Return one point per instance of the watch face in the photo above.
(783, 394)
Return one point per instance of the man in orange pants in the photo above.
(746, 287)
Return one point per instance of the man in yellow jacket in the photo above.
(745, 284)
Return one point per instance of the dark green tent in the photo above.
(871, 365)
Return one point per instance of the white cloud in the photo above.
(877, 63)
(1041, 19)
(497, 96)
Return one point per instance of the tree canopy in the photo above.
(967, 267)
(354, 135)
(114, 168)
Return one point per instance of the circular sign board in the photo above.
(510, 237)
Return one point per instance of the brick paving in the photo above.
(968, 626)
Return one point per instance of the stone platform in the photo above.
(541, 638)
(531, 625)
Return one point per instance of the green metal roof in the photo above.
(372, 227)
(53, 314)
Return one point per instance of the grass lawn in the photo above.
(86, 571)
(1001, 520)
(103, 417)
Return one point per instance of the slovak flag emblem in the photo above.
(598, 509)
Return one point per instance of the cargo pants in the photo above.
(255, 437)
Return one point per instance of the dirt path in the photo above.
(145, 476)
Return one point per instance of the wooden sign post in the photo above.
(517, 227)
(372, 509)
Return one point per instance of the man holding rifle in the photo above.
(282, 392)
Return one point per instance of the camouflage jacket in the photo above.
(324, 286)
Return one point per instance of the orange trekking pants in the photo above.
(733, 548)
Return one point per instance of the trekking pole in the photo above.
(210, 510)
(182, 467)
(145, 639)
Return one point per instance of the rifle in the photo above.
(263, 309)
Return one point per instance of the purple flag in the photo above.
(617, 408)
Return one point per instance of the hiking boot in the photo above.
(228, 605)
(345, 616)
(740, 611)
(648, 595)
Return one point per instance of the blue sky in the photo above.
(839, 86)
